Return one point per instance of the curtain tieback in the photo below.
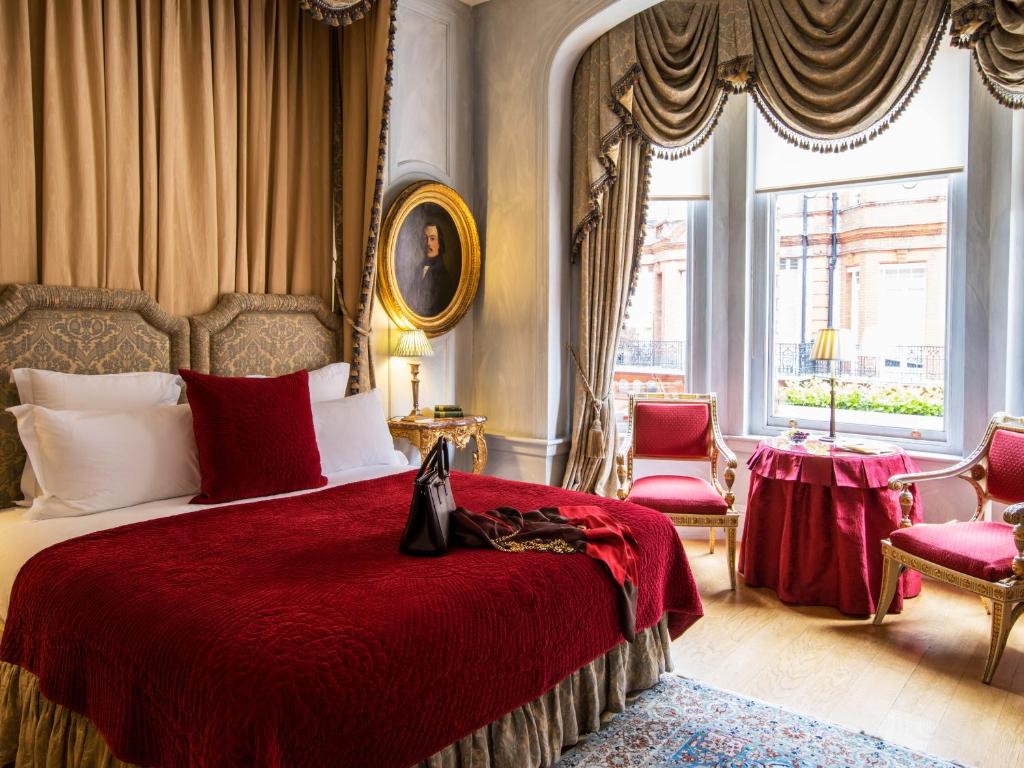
(347, 317)
(596, 442)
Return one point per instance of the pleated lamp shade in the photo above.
(833, 344)
(413, 344)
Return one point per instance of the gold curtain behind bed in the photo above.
(183, 148)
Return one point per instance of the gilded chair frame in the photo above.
(718, 451)
(1006, 595)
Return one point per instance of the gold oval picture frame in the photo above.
(429, 266)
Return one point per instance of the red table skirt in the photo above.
(814, 526)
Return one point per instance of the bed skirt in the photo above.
(36, 733)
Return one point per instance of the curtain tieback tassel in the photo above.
(595, 438)
(596, 444)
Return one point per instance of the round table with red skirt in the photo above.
(814, 525)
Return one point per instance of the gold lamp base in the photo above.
(415, 413)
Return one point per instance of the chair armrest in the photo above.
(729, 458)
(620, 473)
(902, 483)
(723, 448)
(1014, 515)
(898, 482)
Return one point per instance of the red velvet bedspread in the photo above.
(292, 632)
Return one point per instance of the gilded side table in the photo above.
(424, 433)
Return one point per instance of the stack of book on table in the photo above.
(448, 412)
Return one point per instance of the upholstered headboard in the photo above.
(77, 330)
(269, 334)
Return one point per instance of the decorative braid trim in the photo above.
(609, 140)
(359, 326)
(365, 310)
(674, 153)
(329, 12)
(638, 241)
(1002, 94)
(971, 23)
(815, 144)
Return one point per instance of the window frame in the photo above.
(762, 422)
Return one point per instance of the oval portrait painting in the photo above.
(430, 258)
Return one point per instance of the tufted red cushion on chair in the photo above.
(1006, 466)
(678, 495)
(670, 430)
(984, 550)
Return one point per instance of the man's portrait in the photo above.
(429, 267)
(428, 260)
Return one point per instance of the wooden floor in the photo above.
(915, 680)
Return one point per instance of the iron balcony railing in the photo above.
(902, 363)
(650, 354)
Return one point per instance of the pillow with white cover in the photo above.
(90, 392)
(327, 383)
(93, 461)
(353, 432)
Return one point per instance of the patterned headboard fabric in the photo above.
(269, 334)
(77, 330)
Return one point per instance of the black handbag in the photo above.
(426, 531)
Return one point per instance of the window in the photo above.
(654, 344)
(872, 260)
(870, 241)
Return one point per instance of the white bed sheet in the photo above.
(20, 538)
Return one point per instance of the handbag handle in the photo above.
(437, 460)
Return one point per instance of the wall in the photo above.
(525, 53)
(431, 138)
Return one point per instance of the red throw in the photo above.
(584, 529)
(293, 633)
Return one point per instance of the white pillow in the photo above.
(327, 383)
(93, 461)
(87, 392)
(352, 432)
(96, 392)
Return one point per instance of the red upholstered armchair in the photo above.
(982, 556)
(682, 427)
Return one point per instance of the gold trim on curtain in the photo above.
(994, 31)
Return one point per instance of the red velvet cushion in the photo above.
(984, 550)
(677, 495)
(255, 436)
(671, 430)
(1006, 466)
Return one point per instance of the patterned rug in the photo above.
(681, 722)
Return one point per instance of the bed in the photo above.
(478, 658)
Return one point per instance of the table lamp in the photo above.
(832, 345)
(414, 344)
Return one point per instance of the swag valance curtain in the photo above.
(194, 148)
(994, 30)
(826, 75)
